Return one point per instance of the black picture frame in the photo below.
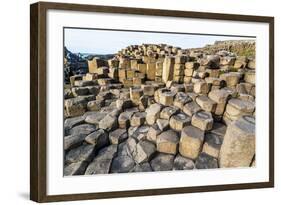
(38, 103)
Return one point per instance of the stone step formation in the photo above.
(160, 108)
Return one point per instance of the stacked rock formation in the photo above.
(239, 47)
(160, 108)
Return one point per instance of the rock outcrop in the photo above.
(155, 107)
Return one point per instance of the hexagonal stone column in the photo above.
(191, 108)
(163, 124)
(252, 64)
(82, 153)
(124, 103)
(118, 136)
(162, 162)
(250, 77)
(77, 91)
(122, 164)
(166, 97)
(144, 151)
(220, 97)
(191, 142)
(95, 105)
(153, 113)
(83, 129)
(182, 163)
(153, 132)
(167, 142)
(135, 95)
(231, 79)
(108, 123)
(179, 121)
(98, 138)
(148, 90)
(143, 167)
(203, 120)
(238, 147)
(212, 144)
(167, 112)
(102, 162)
(159, 68)
(138, 119)
(205, 161)
(181, 99)
(75, 106)
(124, 119)
(72, 122)
(77, 168)
(94, 117)
(236, 108)
(168, 68)
(241, 62)
(150, 71)
(201, 87)
(206, 103)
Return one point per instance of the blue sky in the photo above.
(109, 42)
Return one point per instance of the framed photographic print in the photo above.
(135, 102)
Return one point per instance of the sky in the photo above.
(109, 42)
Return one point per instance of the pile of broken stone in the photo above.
(160, 108)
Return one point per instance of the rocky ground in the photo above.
(160, 108)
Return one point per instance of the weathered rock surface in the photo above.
(179, 121)
(72, 141)
(138, 119)
(122, 164)
(237, 108)
(191, 108)
(98, 138)
(117, 136)
(77, 168)
(94, 117)
(167, 112)
(143, 167)
(191, 142)
(183, 163)
(108, 123)
(71, 122)
(153, 113)
(205, 161)
(138, 133)
(95, 105)
(124, 119)
(203, 120)
(153, 132)
(102, 162)
(238, 147)
(231, 78)
(168, 69)
(206, 103)
(212, 145)
(83, 129)
(166, 97)
(75, 106)
(162, 162)
(220, 97)
(201, 87)
(219, 129)
(167, 142)
(144, 151)
(181, 99)
(79, 154)
(162, 124)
